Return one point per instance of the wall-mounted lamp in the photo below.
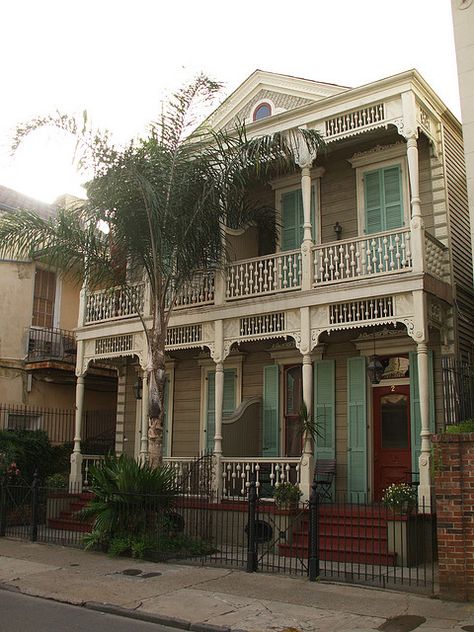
(375, 370)
(138, 388)
(338, 230)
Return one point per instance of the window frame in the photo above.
(391, 157)
(316, 218)
(57, 297)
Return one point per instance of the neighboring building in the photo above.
(371, 276)
(38, 316)
(463, 22)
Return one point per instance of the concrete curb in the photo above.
(172, 622)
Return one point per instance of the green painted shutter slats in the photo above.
(373, 202)
(357, 428)
(291, 220)
(383, 199)
(415, 418)
(271, 416)
(230, 376)
(325, 408)
(165, 418)
(211, 411)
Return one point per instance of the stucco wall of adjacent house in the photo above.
(16, 306)
(69, 306)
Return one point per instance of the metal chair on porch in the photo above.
(324, 474)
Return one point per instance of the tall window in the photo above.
(383, 199)
(43, 298)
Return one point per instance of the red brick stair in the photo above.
(348, 533)
(68, 519)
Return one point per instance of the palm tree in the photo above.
(166, 199)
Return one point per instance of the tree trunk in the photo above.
(156, 394)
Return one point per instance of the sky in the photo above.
(119, 60)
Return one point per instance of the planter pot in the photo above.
(410, 537)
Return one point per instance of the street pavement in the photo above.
(21, 613)
(201, 598)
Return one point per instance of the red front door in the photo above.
(392, 451)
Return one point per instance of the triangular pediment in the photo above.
(282, 92)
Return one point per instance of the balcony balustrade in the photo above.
(347, 260)
(50, 344)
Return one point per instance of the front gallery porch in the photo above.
(246, 411)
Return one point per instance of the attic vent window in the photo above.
(262, 111)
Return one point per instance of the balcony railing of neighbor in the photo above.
(51, 344)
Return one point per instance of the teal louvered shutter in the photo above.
(166, 428)
(211, 411)
(271, 412)
(291, 220)
(415, 418)
(228, 406)
(357, 429)
(373, 202)
(325, 408)
(383, 199)
(392, 195)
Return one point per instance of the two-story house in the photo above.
(38, 316)
(354, 310)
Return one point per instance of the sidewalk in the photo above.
(200, 598)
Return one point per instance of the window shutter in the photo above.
(228, 403)
(383, 199)
(392, 192)
(292, 220)
(357, 429)
(373, 202)
(165, 418)
(271, 417)
(415, 418)
(325, 408)
(211, 411)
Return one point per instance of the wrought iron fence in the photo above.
(58, 423)
(458, 390)
(341, 540)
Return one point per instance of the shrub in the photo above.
(30, 450)
(129, 498)
(58, 481)
(399, 496)
(464, 426)
(287, 495)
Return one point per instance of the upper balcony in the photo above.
(343, 262)
(50, 345)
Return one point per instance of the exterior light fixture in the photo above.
(375, 370)
(338, 230)
(138, 388)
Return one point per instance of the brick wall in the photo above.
(454, 488)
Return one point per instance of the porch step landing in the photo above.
(68, 519)
(349, 534)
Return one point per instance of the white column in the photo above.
(144, 419)
(75, 476)
(416, 222)
(219, 403)
(424, 489)
(307, 458)
(307, 245)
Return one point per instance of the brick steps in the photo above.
(68, 519)
(347, 533)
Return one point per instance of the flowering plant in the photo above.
(287, 495)
(399, 496)
(8, 468)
